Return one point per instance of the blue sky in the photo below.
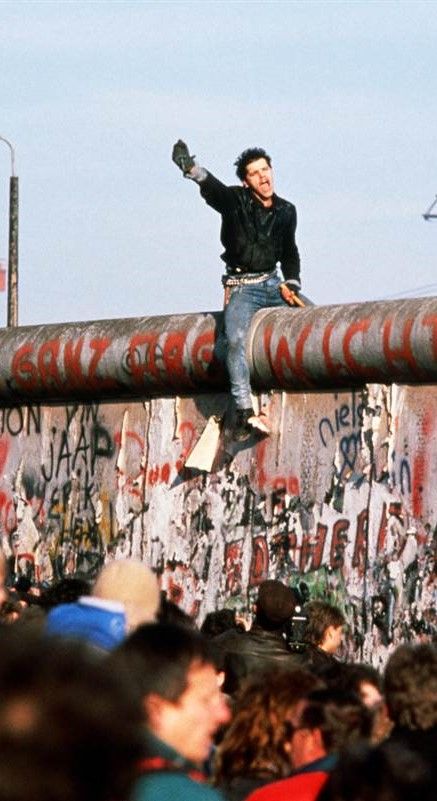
(93, 95)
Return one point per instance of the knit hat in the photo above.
(276, 601)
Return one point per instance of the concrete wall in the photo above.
(342, 496)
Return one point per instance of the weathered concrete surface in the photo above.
(342, 495)
(347, 345)
(315, 347)
(110, 358)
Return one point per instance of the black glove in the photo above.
(181, 157)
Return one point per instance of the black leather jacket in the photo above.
(245, 654)
(255, 238)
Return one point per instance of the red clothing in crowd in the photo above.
(302, 787)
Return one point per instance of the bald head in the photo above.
(133, 584)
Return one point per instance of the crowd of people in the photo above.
(109, 691)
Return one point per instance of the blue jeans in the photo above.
(245, 300)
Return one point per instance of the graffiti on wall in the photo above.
(340, 497)
(65, 364)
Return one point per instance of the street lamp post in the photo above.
(12, 317)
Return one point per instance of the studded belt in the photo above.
(248, 278)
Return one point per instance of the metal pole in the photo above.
(13, 253)
(12, 315)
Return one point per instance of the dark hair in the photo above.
(9, 609)
(386, 773)
(340, 716)
(170, 612)
(220, 621)
(64, 716)
(321, 615)
(410, 684)
(359, 672)
(275, 604)
(65, 591)
(246, 158)
(158, 657)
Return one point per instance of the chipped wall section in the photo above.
(342, 496)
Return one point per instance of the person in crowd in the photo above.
(10, 611)
(319, 728)
(367, 682)
(221, 620)
(33, 617)
(175, 677)
(386, 773)
(170, 612)
(253, 749)
(125, 595)
(70, 728)
(410, 685)
(66, 590)
(264, 646)
(324, 633)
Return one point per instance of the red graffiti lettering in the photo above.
(23, 369)
(153, 475)
(8, 515)
(99, 346)
(359, 559)
(4, 453)
(72, 361)
(283, 360)
(159, 474)
(289, 484)
(175, 592)
(401, 354)
(339, 541)
(140, 368)
(173, 354)
(382, 533)
(202, 355)
(431, 322)
(259, 564)
(48, 365)
(129, 435)
(351, 331)
(299, 368)
(165, 473)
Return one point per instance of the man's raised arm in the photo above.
(215, 193)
